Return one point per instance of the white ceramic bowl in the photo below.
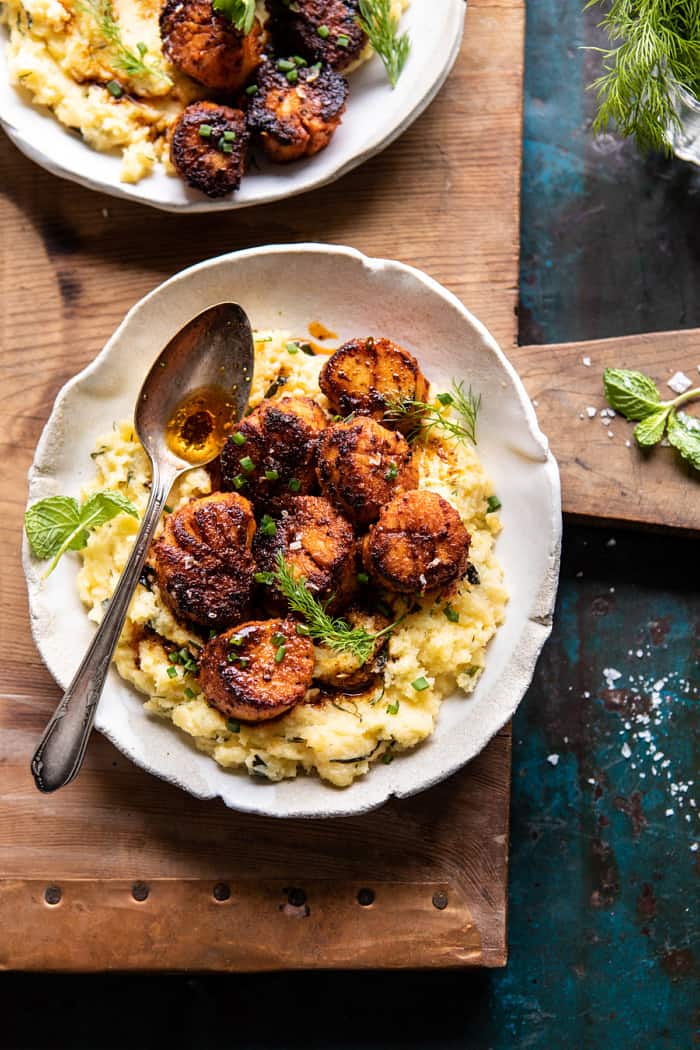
(353, 295)
(375, 116)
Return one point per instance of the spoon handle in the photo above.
(59, 756)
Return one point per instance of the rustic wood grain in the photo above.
(608, 478)
(445, 198)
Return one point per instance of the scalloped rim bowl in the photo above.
(375, 116)
(354, 295)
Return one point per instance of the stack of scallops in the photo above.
(339, 501)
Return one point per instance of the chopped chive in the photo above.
(174, 658)
(212, 634)
(238, 438)
(268, 578)
(263, 339)
(226, 147)
(233, 727)
(172, 672)
(387, 758)
(421, 684)
(302, 630)
(392, 473)
(324, 32)
(272, 475)
(278, 638)
(445, 399)
(243, 661)
(292, 348)
(306, 349)
(190, 693)
(205, 131)
(115, 89)
(239, 481)
(252, 89)
(167, 509)
(299, 61)
(267, 526)
(285, 65)
(279, 655)
(294, 485)
(236, 640)
(362, 577)
(293, 76)
(393, 709)
(493, 503)
(342, 40)
(229, 136)
(451, 614)
(247, 464)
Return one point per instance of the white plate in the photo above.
(354, 295)
(375, 116)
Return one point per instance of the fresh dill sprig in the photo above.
(382, 29)
(655, 51)
(240, 12)
(424, 417)
(336, 634)
(130, 62)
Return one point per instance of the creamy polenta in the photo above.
(337, 739)
(61, 54)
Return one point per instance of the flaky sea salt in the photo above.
(626, 750)
(553, 760)
(592, 412)
(611, 675)
(586, 361)
(679, 383)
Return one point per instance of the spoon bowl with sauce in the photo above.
(195, 392)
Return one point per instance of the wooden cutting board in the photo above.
(121, 871)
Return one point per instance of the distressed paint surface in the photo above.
(604, 944)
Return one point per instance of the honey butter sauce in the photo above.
(200, 424)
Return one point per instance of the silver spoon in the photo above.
(208, 363)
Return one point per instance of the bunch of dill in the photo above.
(655, 50)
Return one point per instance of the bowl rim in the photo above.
(535, 631)
(127, 191)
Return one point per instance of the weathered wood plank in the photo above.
(609, 478)
(445, 198)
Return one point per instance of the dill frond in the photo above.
(130, 62)
(335, 633)
(423, 417)
(382, 29)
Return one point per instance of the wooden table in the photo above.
(445, 198)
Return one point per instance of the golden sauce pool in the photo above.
(200, 424)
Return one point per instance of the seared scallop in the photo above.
(343, 671)
(203, 562)
(208, 147)
(368, 376)
(207, 47)
(326, 29)
(271, 456)
(318, 544)
(296, 117)
(419, 544)
(256, 671)
(362, 465)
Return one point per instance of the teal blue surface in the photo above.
(604, 941)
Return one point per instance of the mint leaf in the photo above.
(631, 393)
(57, 524)
(684, 435)
(651, 429)
(102, 507)
(48, 523)
(240, 12)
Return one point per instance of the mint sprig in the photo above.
(636, 396)
(59, 523)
